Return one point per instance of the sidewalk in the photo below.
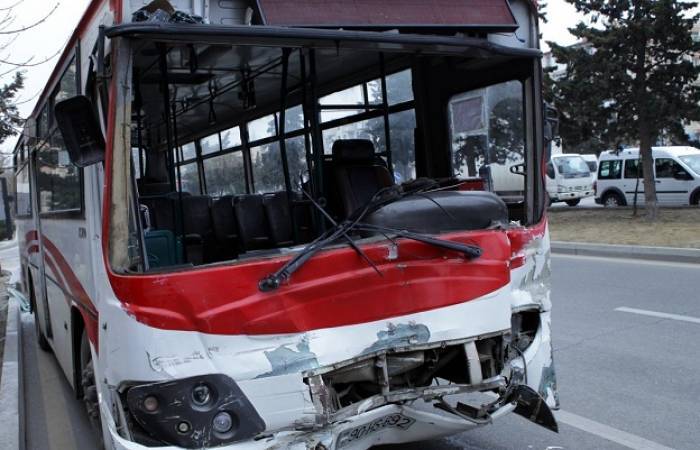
(10, 373)
(667, 254)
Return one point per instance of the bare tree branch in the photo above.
(10, 8)
(29, 64)
(29, 27)
(8, 43)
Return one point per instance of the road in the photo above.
(627, 379)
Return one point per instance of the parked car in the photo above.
(569, 179)
(676, 171)
(592, 161)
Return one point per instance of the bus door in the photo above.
(65, 242)
(36, 257)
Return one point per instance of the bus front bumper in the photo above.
(389, 424)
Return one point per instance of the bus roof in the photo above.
(482, 14)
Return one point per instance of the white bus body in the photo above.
(172, 349)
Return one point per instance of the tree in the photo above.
(10, 120)
(502, 141)
(11, 70)
(632, 79)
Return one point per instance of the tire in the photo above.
(573, 203)
(695, 199)
(88, 388)
(41, 340)
(613, 200)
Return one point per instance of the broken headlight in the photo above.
(197, 412)
(524, 326)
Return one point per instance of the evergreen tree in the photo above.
(10, 120)
(631, 80)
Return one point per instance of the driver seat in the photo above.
(359, 173)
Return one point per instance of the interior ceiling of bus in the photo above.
(209, 90)
(197, 74)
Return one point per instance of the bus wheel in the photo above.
(89, 390)
(573, 203)
(612, 200)
(40, 338)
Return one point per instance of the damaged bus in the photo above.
(265, 224)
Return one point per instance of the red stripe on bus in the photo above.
(336, 288)
(72, 281)
(69, 282)
(32, 235)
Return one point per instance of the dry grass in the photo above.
(675, 227)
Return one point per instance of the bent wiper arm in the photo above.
(274, 280)
(470, 251)
(347, 237)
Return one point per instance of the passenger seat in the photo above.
(279, 219)
(358, 172)
(225, 228)
(252, 225)
(196, 212)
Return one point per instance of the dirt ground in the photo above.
(675, 227)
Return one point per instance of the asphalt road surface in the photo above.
(628, 377)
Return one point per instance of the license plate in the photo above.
(399, 421)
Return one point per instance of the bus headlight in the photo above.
(197, 412)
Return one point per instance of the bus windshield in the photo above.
(243, 151)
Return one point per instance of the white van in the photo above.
(569, 179)
(677, 174)
(592, 161)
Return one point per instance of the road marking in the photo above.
(611, 434)
(661, 315)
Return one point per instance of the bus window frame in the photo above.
(25, 166)
(43, 141)
(371, 111)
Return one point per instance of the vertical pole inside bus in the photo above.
(281, 130)
(165, 91)
(316, 140)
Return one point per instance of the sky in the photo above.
(50, 37)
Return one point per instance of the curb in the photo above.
(10, 405)
(667, 254)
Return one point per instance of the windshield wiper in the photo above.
(341, 230)
(470, 251)
(381, 198)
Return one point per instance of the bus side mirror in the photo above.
(81, 131)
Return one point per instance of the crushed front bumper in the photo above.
(414, 415)
(388, 424)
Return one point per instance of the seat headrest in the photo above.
(353, 151)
